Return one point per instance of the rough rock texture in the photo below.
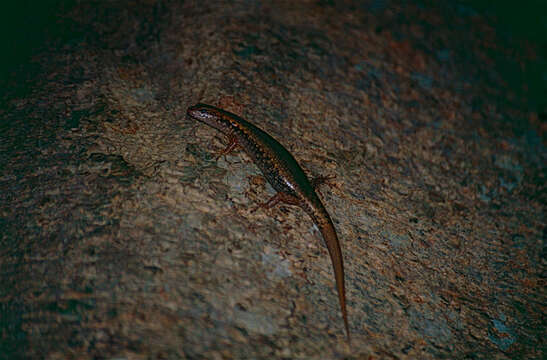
(122, 237)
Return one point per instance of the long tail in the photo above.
(333, 245)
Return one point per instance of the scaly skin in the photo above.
(284, 174)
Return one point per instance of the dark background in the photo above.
(28, 24)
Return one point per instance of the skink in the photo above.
(284, 174)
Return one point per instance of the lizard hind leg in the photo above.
(320, 180)
(276, 199)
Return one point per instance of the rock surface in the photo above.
(123, 238)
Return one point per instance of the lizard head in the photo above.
(210, 115)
